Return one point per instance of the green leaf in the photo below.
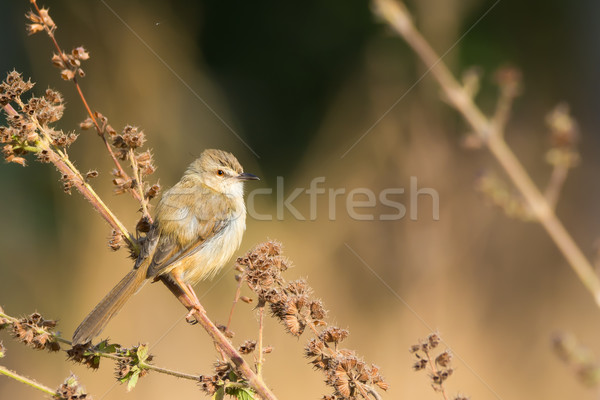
(241, 393)
(132, 381)
(142, 352)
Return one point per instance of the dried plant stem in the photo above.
(238, 292)
(137, 174)
(20, 378)
(139, 197)
(64, 165)
(261, 324)
(152, 367)
(112, 356)
(254, 381)
(398, 17)
(434, 370)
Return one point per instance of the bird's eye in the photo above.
(220, 172)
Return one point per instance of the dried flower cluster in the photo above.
(578, 358)
(70, 64)
(49, 109)
(40, 21)
(225, 381)
(132, 364)
(295, 307)
(71, 390)
(28, 129)
(439, 364)
(34, 331)
(90, 355)
(211, 383)
(348, 375)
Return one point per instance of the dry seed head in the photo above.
(333, 334)
(444, 359)
(248, 347)
(36, 332)
(71, 390)
(116, 240)
(420, 364)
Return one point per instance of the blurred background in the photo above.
(289, 88)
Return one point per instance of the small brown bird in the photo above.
(199, 224)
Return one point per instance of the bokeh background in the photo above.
(300, 83)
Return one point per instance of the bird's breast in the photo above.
(215, 251)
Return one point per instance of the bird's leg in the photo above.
(191, 297)
(185, 293)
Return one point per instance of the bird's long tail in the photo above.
(110, 305)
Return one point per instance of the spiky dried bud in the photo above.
(247, 347)
(420, 364)
(123, 185)
(12, 87)
(91, 174)
(314, 348)
(222, 368)
(80, 53)
(209, 384)
(33, 17)
(34, 28)
(133, 137)
(88, 123)
(36, 332)
(333, 334)
(67, 181)
(45, 15)
(67, 74)
(433, 340)
(43, 156)
(228, 333)
(317, 311)
(71, 390)
(58, 61)
(116, 240)
(298, 287)
(444, 359)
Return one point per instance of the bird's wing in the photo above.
(173, 247)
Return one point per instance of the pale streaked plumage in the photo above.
(198, 226)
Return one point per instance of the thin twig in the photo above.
(111, 356)
(261, 320)
(64, 166)
(100, 131)
(398, 17)
(238, 292)
(30, 382)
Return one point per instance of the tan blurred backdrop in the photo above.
(495, 288)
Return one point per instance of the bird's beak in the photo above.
(247, 177)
